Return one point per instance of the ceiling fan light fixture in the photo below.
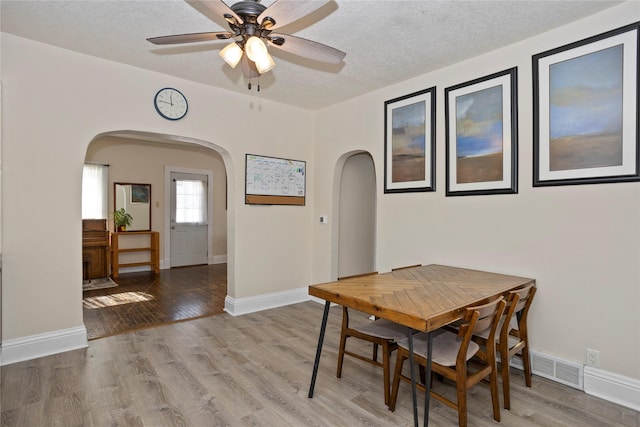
(255, 49)
(265, 63)
(232, 53)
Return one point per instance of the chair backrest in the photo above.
(518, 304)
(345, 311)
(480, 319)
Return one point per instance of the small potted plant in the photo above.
(122, 219)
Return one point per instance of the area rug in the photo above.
(101, 283)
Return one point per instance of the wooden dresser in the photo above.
(95, 249)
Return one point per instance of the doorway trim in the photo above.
(166, 261)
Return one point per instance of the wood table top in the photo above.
(424, 298)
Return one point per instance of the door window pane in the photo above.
(191, 198)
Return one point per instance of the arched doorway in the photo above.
(357, 216)
(142, 157)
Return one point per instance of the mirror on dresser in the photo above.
(136, 201)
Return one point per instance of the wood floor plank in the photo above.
(253, 370)
(172, 295)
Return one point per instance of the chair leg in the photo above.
(385, 367)
(402, 355)
(493, 383)
(462, 401)
(375, 352)
(526, 362)
(343, 343)
(504, 369)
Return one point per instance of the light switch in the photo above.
(324, 219)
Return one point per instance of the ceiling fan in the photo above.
(251, 27)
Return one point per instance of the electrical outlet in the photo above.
(593, 358)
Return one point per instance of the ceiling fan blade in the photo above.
(307, 48)
(218, 7)
(287, 11)
(191, 38)
(249, 69)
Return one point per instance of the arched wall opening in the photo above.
(162, 151)
(354, 212)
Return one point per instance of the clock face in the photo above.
(170, 103)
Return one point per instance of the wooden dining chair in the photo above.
(513, 338)
(450, 356)
(379, 332)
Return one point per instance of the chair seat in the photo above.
(383, 328)
(445, 347)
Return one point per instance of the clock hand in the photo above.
(171, 98)
(165, 102)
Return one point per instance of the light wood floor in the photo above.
(251, 370)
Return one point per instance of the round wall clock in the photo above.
(170, 103)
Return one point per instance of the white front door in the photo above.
(189, 219)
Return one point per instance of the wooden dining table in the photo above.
(423, 298)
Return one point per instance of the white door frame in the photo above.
(166, 261)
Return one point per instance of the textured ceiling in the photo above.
(386, 41)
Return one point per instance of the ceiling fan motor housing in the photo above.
(248, 8)
(249, 11)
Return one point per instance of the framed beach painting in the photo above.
(482, 135)
(585, 111)
(409, 142)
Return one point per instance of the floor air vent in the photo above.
(562, 371)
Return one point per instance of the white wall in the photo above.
(54, 103)
(581, 243)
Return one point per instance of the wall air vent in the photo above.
(562, 371)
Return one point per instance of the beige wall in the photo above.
(581, 243)
(144, 162)
(55, 102)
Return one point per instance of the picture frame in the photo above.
(140, 193)
(585, 126)
(481, 119)
(409, 142)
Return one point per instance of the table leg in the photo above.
(319, 349)
(412, 368)
(427, 384)
(427, 380)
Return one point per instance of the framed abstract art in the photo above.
(482, 135)
(585, 111)
(409, 142)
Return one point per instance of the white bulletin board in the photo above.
(274, 181)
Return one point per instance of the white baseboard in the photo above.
(124, 270)
(40, 345)
(237, 307)
(166, 263)
(218, 259)
(615, 388)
